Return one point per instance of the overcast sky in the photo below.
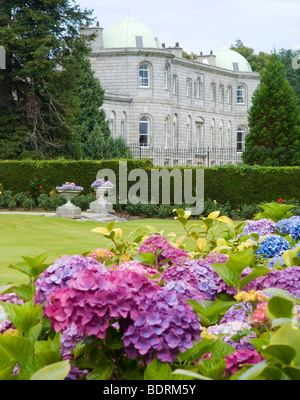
(200, 25)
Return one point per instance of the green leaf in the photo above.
(254, 372)
(283, 294)
(191, 374)
(54, 372)
(253, 275)
(289, 336)
(292, 372)
(226, 274)
(158, 370)
(240, 261)
(14, 348)
(279, 307)
(196, 352)
(30, 365)
(6, 370)
(279, 352)
(101, 373)
(220, 349)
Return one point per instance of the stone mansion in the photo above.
(157, 99)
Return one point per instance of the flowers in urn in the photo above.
(69, 186)
(102, 183)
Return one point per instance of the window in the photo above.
(123, 125)
(144, 78)
(166, 77)
(144, 131)
(235, 66)
(229, 95)
(175, 84)
(240, 139)
(221, 94)
(213, 92)
(189, 87)
(240, 94)
(166, 129)
(139, 41)
(189, 132)
(198, 88)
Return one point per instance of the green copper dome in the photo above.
(232, 60)
(128, 34)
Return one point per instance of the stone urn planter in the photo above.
(101, 205)
(69, 210)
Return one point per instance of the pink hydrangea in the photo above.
(137, 267)
(259, 316)
(216, 258)
(238, 359)
(156, 321)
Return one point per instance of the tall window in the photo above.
(144, 76)
(221, 93)
(166, 77)
(240, 139)
(175, 84)
(139, 41)
(229, 95)
(213, 92)
(240, 94)
(166, 130)
(144, 131)
(189, 87)
(198, 88)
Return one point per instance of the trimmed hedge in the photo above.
(238, 185)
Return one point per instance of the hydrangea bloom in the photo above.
(272, 246)
(163, 250)
(259, 315)
(229, 329)
(137, 267)
(101, 255)
(155, 320)
(59, 273)
(286, 279)
(290, 226)
(216, 258)
(102, 183)
(235, 361)
(69, 186)
(199, 274)
(5, 323)
(262, 227)
(162, 325)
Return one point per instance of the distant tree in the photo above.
(256, 61)
(36, 106)
(274, 119)
(94, 133)
(293, 75)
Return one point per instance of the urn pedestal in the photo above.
(68, 210)
(101, 205)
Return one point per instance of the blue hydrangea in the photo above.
(272, 246)
(290, 226)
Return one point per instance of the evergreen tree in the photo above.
(94, 133)
(293, 75)
(274, 120)
(36, 107)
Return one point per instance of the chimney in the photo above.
(163, 45)
(177, 44)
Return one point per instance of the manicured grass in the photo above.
(29, 236)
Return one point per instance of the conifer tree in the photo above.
(274, 120)
(36, 106)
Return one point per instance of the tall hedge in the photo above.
(235, 184)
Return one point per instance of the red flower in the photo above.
(40, 187)
(281, 201)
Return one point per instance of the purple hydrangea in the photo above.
(59, 273)
(69, 186)
(163, 325)
(157, 322)
(163, 250)
(290, 226)
(137, 266)
(231, 328)
(235, 361)
(6, 322)
(200, 275)
(216, 258)
(262, 227)
(273, 245)
(287, 279)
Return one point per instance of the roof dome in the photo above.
(130, 33)
(232, 60)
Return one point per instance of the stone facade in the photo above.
(156, 98)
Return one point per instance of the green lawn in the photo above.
(23, 235)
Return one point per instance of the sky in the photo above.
(204, 25)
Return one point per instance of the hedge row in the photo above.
(234, 184)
